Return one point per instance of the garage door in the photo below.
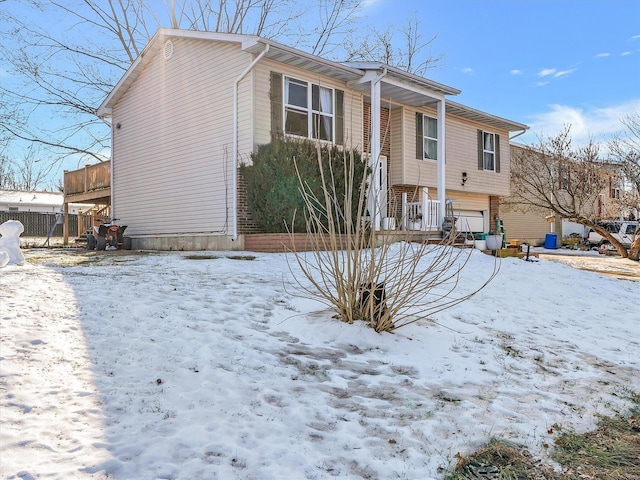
(469, 221)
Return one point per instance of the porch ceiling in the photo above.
(393, 96)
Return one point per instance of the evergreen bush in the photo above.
(273, 188)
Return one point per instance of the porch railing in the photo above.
(422, 215)
(87, 179)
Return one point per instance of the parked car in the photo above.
(624, 232)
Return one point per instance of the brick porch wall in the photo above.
(246, 224)
(494, 211)
(278, 242)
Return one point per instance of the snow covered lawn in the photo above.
(133, 365)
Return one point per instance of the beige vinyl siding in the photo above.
(416, 171)
(461, 156)
(524, 227)
(466, 204)
(463, 200)
(399, 150)
(262, 88)
(172, 154)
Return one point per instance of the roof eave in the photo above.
(484, 118)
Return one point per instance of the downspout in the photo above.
(235, 138)
(113, 143)
(374, 206)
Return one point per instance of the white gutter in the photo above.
(518, 134)
(235, 138)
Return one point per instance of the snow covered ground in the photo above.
(140, 365)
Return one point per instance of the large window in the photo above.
(308, 110)
(489, 151)
(430, 138)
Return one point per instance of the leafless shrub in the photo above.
(364, 274)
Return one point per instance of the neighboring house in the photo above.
(194, 105)
(39, 212)
(533, 227)
(39, 202)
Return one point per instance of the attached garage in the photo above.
(469, 221)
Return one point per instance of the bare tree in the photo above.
(625, 152)
(7, 175)
(60, 70)
(29, 172)
(409, 53)
(555, 177)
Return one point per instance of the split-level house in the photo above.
(194, 105)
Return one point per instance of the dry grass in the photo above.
(510, 462)
(610, 452)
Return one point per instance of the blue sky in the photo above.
(543, 63)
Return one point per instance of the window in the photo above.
(430, 138)
(488, 151)
(426, 137)
(308, 110)
(614, 188)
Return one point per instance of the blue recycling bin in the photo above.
(551, 241)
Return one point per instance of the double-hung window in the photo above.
(308, 110)
(489, 151)
(426, 137)
(430, 138)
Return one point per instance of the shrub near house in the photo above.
(273, 187)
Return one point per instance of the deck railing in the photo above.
(422, 215)
(87, 179)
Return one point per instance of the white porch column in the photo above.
(374, 194)
(441, 163)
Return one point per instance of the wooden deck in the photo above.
(91, 184)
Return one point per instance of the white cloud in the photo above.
(541, 84)
(635, 37)
(564, 73)
(624, 54)
(602, 55)
(599, 123)
(515, 71)
(467, 70)
(547, 71)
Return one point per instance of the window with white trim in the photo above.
(308, 110)
(430, 137)
(489, 151)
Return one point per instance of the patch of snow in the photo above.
(152, 365)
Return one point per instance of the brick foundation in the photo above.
(278, 242)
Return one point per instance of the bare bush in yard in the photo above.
(359, 272)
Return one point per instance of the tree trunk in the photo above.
(634, 250)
